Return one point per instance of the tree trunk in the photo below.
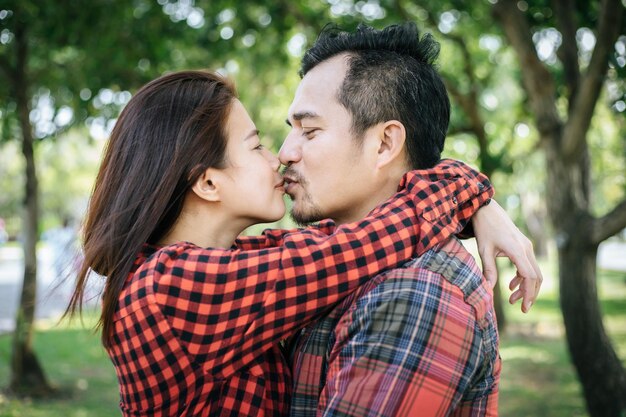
(567, 156)
(599, 369)
(27, 376)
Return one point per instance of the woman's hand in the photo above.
(496, 235)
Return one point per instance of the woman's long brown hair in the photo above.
(168, 134)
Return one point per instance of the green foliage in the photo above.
(608, 157)
(84, 55)
(76, 46)
(67, 168)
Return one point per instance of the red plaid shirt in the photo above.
(420, 340)
(197, 330)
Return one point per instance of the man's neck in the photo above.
(361, 209)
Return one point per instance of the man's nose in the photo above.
(290, 151)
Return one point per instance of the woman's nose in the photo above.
(273, 160)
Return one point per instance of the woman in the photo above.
(195, 331)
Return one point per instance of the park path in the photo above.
(53, 295)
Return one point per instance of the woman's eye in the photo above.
(258, 147)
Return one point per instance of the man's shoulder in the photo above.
(451, 261)
(448, 268)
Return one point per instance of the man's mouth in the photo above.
(289, 182)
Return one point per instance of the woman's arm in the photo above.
(496, 235)
(231, 305)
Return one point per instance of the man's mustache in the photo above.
(293, 175)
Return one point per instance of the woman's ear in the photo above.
(207, 186)
(392, 139)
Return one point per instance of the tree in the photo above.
(80, 59)
(60, 51)
(564, 138)
(25, 368)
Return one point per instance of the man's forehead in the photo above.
(317, 93)
(307, 105)
(311, 102)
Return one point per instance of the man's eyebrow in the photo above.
(252, 134)
(302, 115)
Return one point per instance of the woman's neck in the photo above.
(206, 230)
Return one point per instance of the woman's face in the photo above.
(255, 188)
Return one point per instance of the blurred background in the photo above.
(538, 96)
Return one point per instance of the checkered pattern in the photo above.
(414, 341)
(197, 330)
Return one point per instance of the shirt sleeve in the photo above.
(403, 350)
(442, 212)
(228, 306)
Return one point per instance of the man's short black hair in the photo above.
(391, 76)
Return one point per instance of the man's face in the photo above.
(328, 172)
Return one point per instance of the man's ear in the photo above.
(207, 186)
(392, 139)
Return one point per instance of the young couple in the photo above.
(399, 319)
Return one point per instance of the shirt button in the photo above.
(480, 185)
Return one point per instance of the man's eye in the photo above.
(309, 133)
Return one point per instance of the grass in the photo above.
(76, 365)
(537, 377)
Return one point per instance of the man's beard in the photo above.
(309, 212)
(306, 216)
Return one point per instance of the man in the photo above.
(416, 341)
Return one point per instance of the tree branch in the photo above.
(538, 82)
(469, 104)
(574, 134)
(568, 52)
(468, 65)
(610, 224)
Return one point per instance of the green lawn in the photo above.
(537, 377)
(77, 366)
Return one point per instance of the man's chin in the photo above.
(305, 217)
